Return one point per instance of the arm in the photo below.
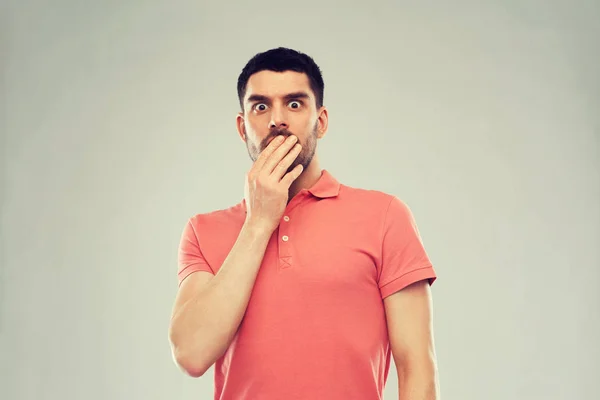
(410, 327)
(209, 309)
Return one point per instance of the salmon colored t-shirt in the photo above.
(315, 326)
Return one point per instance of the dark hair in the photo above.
(279, 60)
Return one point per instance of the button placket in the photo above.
(285, 255)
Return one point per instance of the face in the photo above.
(281, 103)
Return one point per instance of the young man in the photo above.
(306, 288)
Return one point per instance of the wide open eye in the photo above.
(295, 104)
(260, 107)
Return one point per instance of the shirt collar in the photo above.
(326, 186)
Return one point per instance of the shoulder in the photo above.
(221, 217)
(377, 199)
(376, 205)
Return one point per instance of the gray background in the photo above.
(118, 124)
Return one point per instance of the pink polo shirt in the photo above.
(315, 325)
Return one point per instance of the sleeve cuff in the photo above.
(190, 269)
(409, 278)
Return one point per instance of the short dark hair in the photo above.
(282, 59)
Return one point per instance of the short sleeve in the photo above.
(403, 259)
(190, 257)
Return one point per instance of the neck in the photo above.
(307, 178)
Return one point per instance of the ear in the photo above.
(240, 125)
(322, 122)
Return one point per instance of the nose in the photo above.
(278, 119)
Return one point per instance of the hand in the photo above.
(267, 184)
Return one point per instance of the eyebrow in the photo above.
(289, 96)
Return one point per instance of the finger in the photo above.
(291, 176)
(266, 153)
(278, 154)
(285, 163)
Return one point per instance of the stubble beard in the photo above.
(304, 158)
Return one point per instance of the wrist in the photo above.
(257, 227)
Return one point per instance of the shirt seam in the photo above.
(426, 266)
(382, 235)
(198, 244)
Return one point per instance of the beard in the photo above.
(306, 154)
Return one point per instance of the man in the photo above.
(307, 287)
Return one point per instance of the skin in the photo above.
(409, 314)
(270, 111)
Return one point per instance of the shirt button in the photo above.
(285, 238)
(286, 218)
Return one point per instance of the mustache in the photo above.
(274, 133)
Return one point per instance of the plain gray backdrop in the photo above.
(118, 124)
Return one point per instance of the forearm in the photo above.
(418, 383)
(205, 325)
